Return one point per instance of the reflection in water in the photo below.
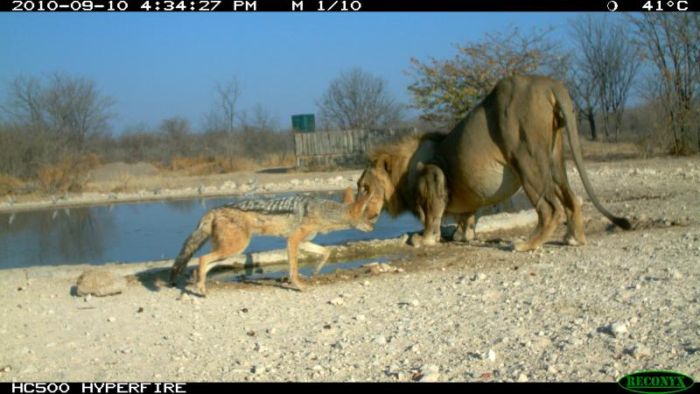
(137, 232)
(51, 236)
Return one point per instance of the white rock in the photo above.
(640, 351)
(618, 329)
(478, 277)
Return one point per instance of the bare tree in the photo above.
(672, 43)
(610, 62)
(25, 101)
(54, 122)
(71, 108)
(223, 117)
(583, 88)
(358, 100)
(76, 109)
(177, 135)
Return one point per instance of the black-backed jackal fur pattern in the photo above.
(298, 218)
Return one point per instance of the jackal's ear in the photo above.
(348, 197)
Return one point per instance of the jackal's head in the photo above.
(357, 211)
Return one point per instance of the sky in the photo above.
(155, 66)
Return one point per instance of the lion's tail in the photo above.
(566, 107)
(191, 245)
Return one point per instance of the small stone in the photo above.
(552, 370)
(430, 373)
(380, 340)
(522, 378)
(490, 355)
(618, 329)
(430, 377)
(640, 351)
(478, 277)
(360, 318)
(111, 319)
(336, 301)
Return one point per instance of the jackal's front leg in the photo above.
(293, 242)
(319, 250)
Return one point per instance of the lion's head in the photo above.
(372, 187)
(383, 181)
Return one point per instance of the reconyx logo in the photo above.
(656, 382)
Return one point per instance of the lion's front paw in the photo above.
(571, 240)
(464, 236)
(416, 240)
(522, 246)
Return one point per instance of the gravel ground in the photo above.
(453, 312)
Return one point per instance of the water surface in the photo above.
(138, 232)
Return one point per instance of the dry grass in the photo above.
(10, 185)
(206, 165)
(68, 175)
(604, 151)
(278, 160)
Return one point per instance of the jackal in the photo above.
(299, 218)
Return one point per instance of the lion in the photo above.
(513, 138)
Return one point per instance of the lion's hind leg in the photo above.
(540, 190)
(572, 204)
(466, 227)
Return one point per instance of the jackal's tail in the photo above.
(191, 245)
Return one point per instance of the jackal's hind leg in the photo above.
(319, 250)
(228, 239)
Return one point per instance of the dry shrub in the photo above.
(68, 175)
(278, 160)
(9, 185)
(123, 181)
(202, 165)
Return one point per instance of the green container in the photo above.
(305, 123)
